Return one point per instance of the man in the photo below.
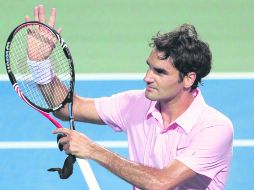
(170, 128)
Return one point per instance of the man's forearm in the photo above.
(139, 175)
(54, 92)
(143, 177)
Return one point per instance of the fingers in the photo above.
(39, 14)
(42, 17)
(59, 30)
(52, 18)
(75, 143)
(64, 140)
(27, 19)
(36, 13)
(62, 130)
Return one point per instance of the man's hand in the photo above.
(39, 39)
(75, 143)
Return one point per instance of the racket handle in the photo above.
(67, 169)
(59, 136)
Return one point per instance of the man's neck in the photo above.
(172, 109)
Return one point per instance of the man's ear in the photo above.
(189, 79)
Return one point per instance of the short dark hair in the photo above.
(188, 52)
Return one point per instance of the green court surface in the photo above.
(113, 35)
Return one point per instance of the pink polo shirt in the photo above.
(201, 137)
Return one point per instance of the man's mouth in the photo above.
(150, 88)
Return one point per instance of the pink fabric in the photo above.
(201, 137)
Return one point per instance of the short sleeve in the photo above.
(120, 110)
(210, 150)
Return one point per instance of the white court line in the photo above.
(84, 165)
(88, 174)
(53, 144)
(244, 143)
(107, 144)
(140, 76)
(230, 76)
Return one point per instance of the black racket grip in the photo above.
(59, 136)
(67, 169)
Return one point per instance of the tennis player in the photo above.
(176, 141)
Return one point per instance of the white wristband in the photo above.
(41, 71)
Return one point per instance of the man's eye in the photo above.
(160, 71)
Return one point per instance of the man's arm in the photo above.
(54, 91)
(139, 175)
(83, 110)
(142, 176)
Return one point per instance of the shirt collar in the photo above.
(153, 111)
(187, 119)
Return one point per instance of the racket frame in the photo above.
(69, 96)
(83, 164)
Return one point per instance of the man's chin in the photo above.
(150, 96)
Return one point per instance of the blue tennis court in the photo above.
(28, 148)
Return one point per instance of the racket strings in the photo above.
(53, 101)
(45, 46)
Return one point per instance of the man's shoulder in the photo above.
(134, 101)
(133, 95)
(215, 117)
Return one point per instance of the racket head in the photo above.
(20, 74)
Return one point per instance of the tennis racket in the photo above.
(40, 67)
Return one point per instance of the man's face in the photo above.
(162, 78)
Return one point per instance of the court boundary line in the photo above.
(107, 144)
(140, 76)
